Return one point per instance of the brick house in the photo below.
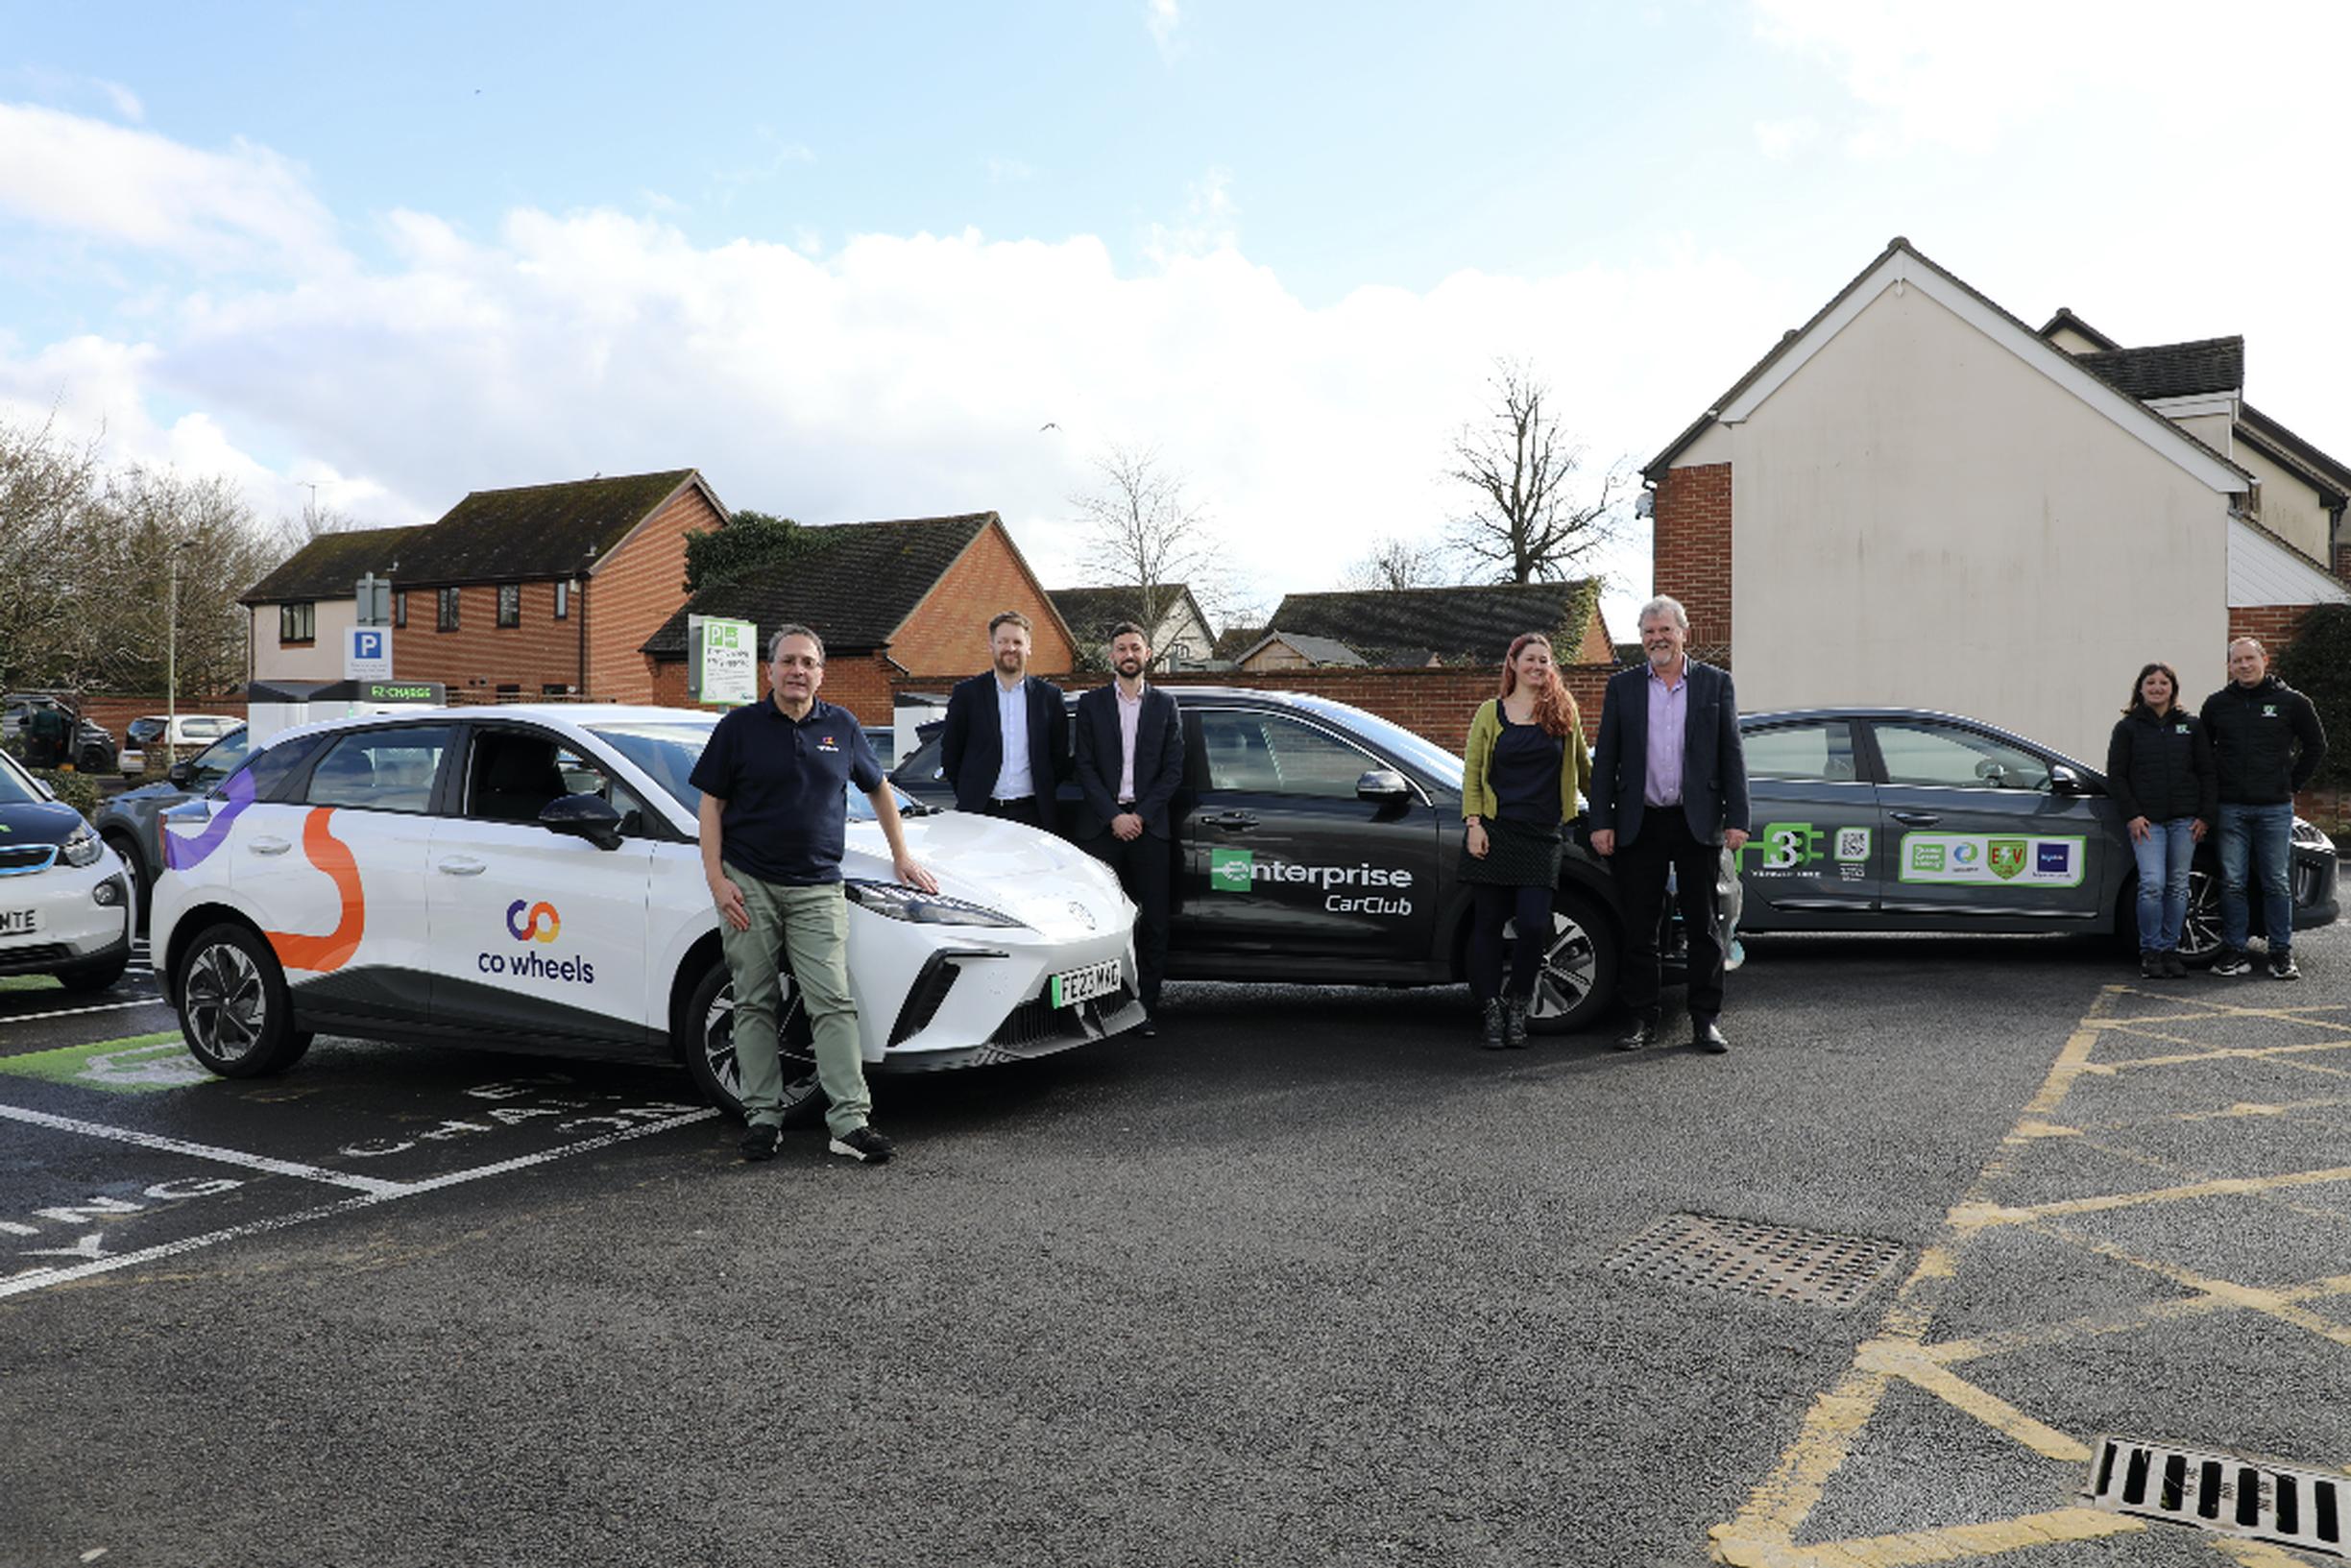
(897, 601)
(535, 591)
(1918, 499)
(296, 616)
(1181, 638)
(1408, 627)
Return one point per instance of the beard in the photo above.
(1128, 667)
(1011, 664)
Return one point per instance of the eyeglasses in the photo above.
(799, 660)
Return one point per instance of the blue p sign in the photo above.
(368, 645)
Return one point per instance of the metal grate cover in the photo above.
(2224, 1493)
(1803, 1265)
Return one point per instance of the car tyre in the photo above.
(234, 1004)
(707, 1032)
(2200, 940)
(1578, 978)
(99, 975)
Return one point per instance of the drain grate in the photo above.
(2221, 1492)
(1715, 1254)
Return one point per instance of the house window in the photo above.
(297, 622)
(563, 601)
(447, 598)
(509, 691)
(509, 604)
(555, 688)
(400, 612)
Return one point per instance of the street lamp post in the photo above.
(171, 658)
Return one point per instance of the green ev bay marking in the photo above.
(139, 1065)
(1229, 870)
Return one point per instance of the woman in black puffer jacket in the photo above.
(2159, 770)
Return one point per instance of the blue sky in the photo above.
(847, 259)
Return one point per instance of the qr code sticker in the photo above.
(1853, 843)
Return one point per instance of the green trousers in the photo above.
(810, 926)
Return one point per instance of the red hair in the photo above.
(1554, 710)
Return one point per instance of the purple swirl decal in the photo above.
(186, 854)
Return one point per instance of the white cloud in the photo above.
(125, 102)
(1209, 222)
(1163, 17)
(246, 208)
(1782, 139)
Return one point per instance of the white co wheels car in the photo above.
(64, 900)
(528, 878)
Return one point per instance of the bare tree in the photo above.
(1145, 534)
(1530, 522)
(1397, 562)
(46, 487)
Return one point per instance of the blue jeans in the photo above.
(2267, 831)
(2164, 856)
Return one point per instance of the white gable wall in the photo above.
(1921, 516)
(2289, 507)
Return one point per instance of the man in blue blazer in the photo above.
(1006, 744)
(1130, 762)
(1669, 790)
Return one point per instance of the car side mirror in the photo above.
(1382, 785)
(2064, 780)
(179, 774)
(591, 817)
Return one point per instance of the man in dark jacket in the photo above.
(1006, 742)
(1130, 760)
(1669, 792)
(2267, 742)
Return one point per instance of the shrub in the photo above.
(2317, 663)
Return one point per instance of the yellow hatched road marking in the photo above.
(1943, 1545)
(1979, 1215)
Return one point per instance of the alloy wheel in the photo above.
(228, 1006)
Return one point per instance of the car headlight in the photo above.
(894, 901)
(81, 849)
(2308, 835)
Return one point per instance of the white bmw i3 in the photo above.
(528, 878)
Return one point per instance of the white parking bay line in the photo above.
(372, 1185)
(77, 1012)
(391, 1192)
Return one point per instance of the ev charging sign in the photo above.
(367, 653)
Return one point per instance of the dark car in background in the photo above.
(92, 749)
(131, 822)
(1319, 843)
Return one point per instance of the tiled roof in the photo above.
(1474, 622)
(1315, 650)
(853, 588)
(1237, 640)
(2170, 370)
(330, 565)
(536, 531)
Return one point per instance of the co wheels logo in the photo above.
(527, 927)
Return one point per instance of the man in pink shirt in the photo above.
(1130, 764)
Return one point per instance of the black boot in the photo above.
(1490, 1023)
(1513, 1022)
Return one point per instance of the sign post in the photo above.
(722, 660)
(367, 653)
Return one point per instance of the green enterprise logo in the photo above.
(1229, 870)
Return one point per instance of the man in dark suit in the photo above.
(1131, 758)
(1669, 790)
(1006, 744)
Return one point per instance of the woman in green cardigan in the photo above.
(1527, 764)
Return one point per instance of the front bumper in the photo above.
(2314, 899)
(75, 928)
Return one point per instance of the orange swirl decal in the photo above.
(332, 856)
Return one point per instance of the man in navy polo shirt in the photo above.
(774, 781)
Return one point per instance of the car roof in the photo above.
(579, 715)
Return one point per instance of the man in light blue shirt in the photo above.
(1006, 742)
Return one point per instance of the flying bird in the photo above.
(1047, 425)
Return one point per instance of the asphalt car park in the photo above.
(1306, 1270)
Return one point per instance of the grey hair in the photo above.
(1664, 604)
(775, 643)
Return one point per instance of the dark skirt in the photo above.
(1518, 855)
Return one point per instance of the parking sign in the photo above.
(367, 653)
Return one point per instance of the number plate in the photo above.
(20, 921)
(1084, 985)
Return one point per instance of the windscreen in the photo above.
(668, 753)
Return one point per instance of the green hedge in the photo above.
(2318, 662)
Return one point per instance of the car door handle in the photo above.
(1239, 821)
(269, 846)
(462, 865)
(1917, 819)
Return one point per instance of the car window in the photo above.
(1415, 749)
(217, 760)
(16, 787)
(1823, 751)
(1270, 753)
(269, 767)
(922, 763)
(513, 774)
(1948, 757)
(379, 770)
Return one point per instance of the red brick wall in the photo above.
(480, 656)
(861, 683)
(2342, 562)
(1691, 554)
(1438, 703)
(947, 634)
(115, 712)
(2274, 624)
(634, 589)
